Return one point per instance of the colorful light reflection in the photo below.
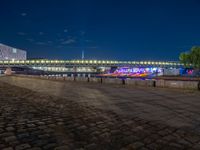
(135, 72)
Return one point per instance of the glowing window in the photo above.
(14, 50)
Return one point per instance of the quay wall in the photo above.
(177, 84)
(161, 83)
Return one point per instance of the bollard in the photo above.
(123, 81)
(88, 79)
(101, 80)
(154, 83)
(199, 86)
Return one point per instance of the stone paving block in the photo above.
(49, 146)
(10, 138)
(8, 148)
(10, 129)
(43, 136)
(6, 134)
(1, 130)
(39, 143)
(42, 127)
(176, 145)
(22, 147)
(135, 145)
(91, 146)
(35, 148)
(62, 148)
(40, 123)
(31, 125)
(22, 130)
(23, 135)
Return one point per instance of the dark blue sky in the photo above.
(105, 29)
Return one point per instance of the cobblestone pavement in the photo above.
(39, 114)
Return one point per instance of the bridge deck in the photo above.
(89, 63)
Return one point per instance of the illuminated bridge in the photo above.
(84, 65)
(107, 63)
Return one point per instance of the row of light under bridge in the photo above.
(88, 63)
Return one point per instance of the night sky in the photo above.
(105, 29)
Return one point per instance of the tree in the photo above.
(185, 58)
(195, 57)
(191, 57)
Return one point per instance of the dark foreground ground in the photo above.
(39, 114)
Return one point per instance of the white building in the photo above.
(11, 53)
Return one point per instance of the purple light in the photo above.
(138, 70)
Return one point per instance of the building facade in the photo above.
(11, 53)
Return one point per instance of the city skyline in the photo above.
(129, 30)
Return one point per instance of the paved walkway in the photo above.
(40, 114)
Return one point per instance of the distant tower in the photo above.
(83, 54)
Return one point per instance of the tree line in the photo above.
(191, 57)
